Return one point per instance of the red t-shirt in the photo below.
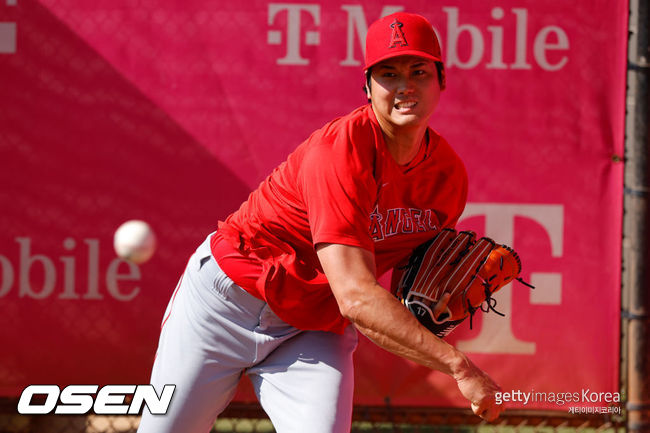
(339, 186)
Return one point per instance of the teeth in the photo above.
(405, 104)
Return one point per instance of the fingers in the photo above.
(488, 410)
(441, 305)
(494, 411)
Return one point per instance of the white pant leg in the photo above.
(213, 330)
(307, 383)
(208, 338)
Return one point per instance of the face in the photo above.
(404, 91)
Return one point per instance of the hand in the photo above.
(477, 387)
(441, 306)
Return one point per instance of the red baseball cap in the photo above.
(401, 34)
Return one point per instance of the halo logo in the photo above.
(80, 399)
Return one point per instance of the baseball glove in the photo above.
(457, 269)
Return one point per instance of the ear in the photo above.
(366, 86)
(441, 75)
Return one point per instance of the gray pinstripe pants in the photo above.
(214, 331)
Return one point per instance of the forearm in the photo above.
(379, 315)
(381, 318)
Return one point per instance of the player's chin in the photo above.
(412, 117)
(408, 118)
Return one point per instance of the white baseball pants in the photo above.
(214, 331)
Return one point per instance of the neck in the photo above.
(404, 142)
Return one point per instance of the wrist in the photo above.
(459, 365)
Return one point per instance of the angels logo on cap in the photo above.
(397, 38)
(401, 34)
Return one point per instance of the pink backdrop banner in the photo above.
(173, 111)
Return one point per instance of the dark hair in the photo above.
(440, 68)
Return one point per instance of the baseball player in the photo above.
(280, 290)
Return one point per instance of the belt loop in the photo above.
(204, 252)
(203, 261)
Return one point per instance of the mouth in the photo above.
(405, 105)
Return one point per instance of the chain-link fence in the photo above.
(249, 418)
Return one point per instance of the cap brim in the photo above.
(403, 53)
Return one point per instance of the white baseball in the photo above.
(134, 241)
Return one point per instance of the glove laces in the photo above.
(490, 303)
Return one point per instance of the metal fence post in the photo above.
(636, 236)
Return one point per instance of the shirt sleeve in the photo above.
(338, 186)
